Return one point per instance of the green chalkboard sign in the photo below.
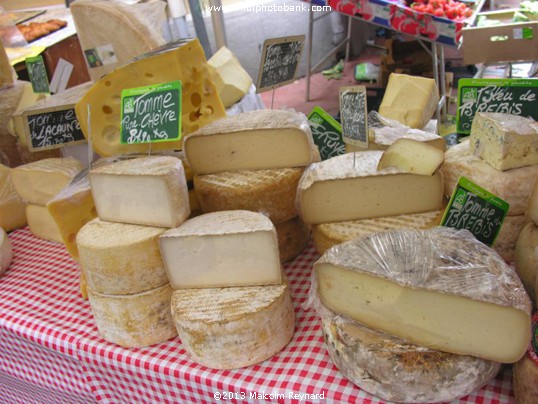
(327, 133)
(510, 96)
(38, 74)
(151, 113)
(473, 208)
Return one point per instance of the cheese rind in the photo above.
(120, 191)
(42, 224)
(39, 181)
(6, 252)
(532, 205)
(231, 328)
(405, 283)
(12, 207)
(526, 258)
(271, 192)
(136, 320)
(525, 372)
(257, 140)
(504, 141)
(120, 259)
(222, 249)
(398, 371)
(513, 186)
(412, 156)
(293, 237)
(505, 243)
(349, 187)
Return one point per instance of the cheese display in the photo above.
(12, 207)
(271, 192)
(256, 140)
(504, 141)
(120, 191)
(41, 223)
(222, 249)
(525, 372)
(405, 283)
(532, 206)
(513, 186)
(412, 156)
(200, 103)
(232, 328)
(112, 33)
(39, 181)
(231, 80)
(398, 371)
(6, 252)
(329, 234)
(134, 320)
(349, 187)
(410, 100)
(121, 259)
(293, 237)
(526, 258)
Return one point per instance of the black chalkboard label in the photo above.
(38, 74)
(510, 96)
(354, 115)
(151, 113)
(473, 208)
(52, 128)
(280, 61)
(327, 133)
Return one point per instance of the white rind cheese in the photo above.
(438, 288)
(504, 141)
(349, 187)
(257, 140)
(133, 321)
(42, 224)
(398, 371)
(231, 328)
(505, 243)
(526, 258)
(293, 237)
(222, 249)
(121, 259)
(6, 252)
(12, 207)
(149, 191)
(513, 186)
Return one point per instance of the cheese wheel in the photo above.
(293, 237)
(271, 192)
(505, 243)
(526, 258)
(42, 224)
(396, 370)
(12, 207)
(6, 252)
(525, 372)
(135, 320)
(230, 328)
(120, 259)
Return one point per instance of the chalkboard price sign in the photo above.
(510, 96)
(280, 61)
(38, 74)
(354, 115)
(52, 128)
(475, 209)
(151, 113)
(327, 133)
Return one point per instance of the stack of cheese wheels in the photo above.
(501, 156)
(12, 207)
(420, 315)
(37, 183)
(136, 200)
(231, 303)
(253, 161)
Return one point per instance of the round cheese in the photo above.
(271, 192)
(6, 252)
(396, 370)
(42, 224)
(505, 243)
(135, 320)
(231, 328)
(121, 259)
(525, 372)
(526, 258)
(293, 237)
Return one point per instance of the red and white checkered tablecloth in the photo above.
(51, 352)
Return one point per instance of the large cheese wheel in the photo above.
(525, 372)
(526, 258)
(42, 224)
(293, 237)
(6, 252)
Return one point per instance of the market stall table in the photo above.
(51, 352)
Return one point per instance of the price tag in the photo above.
(38, 74)
(327, 133)
(354, 115)
(473, 208)
(151, 113)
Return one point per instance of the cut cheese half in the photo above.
(12, 207)
(437, 288)
(42, 224)
(6, 252)
(257, 140)
(412, 156)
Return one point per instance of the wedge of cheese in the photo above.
(12, 207)
(135, 320)
(231, 328)
(526, 258)
(438, 288)
(256, 140)
(410, 100)
(504, 141)
(200, 103)
(39, 181)
(222, 249)
(6, 252)
(293, 237)
(41, 223)
(149, 191)
(271, 192)
(349, 187)
(398, 371)
(514, 186)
